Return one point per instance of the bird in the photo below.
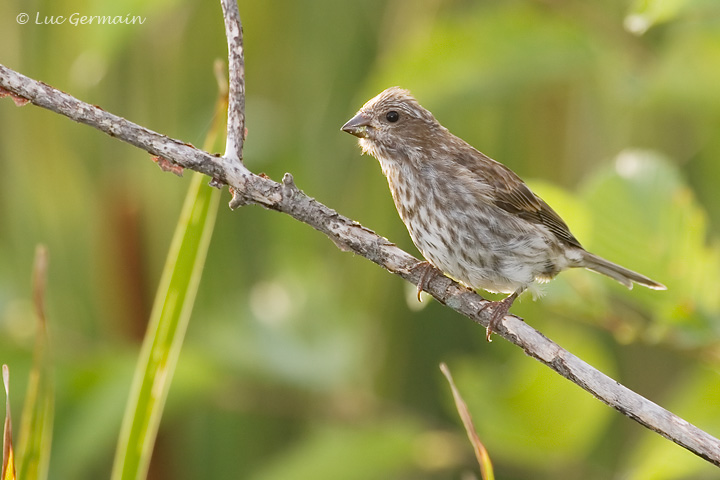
(470, 216)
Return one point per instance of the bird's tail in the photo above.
(621, 274)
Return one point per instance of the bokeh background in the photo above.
(303, 362)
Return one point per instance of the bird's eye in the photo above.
(392, 116)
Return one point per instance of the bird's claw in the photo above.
(498, 311)
(424, 277)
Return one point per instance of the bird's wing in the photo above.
(512, 195)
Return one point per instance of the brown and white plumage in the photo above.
(470, 216)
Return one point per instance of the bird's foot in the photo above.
(497, 311)
(428, 271)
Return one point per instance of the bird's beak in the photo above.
(357, 126)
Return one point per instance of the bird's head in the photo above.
(393, 122)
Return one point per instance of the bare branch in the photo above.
(52, 99)
(351, 236)
(236, 66)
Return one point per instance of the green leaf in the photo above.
(166, 330)
(647, 219)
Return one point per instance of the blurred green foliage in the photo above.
(305, 362)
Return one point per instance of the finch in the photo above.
(471, 217)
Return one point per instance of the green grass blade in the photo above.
(481, 454)
(8, 458)
(166, 330)
(36, 424)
